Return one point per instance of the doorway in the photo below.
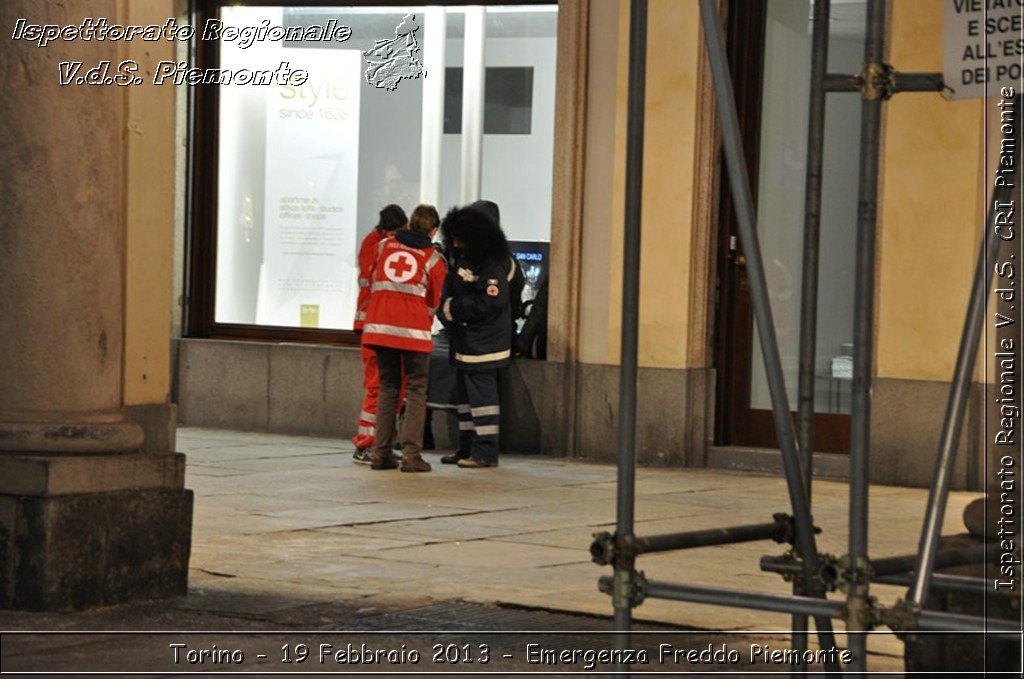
(770, 50)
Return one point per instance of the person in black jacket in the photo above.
(478, 315)
(513, 272)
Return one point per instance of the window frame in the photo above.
(203, 163)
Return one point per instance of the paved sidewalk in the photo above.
(278, 512)
(280, 519)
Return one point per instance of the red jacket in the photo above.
(405, 292)
(367, 256)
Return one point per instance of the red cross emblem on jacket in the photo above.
(404, 294)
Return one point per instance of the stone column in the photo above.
(86, 518)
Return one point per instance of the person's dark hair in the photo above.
(424, 219)
(392, 218)
(481, 236)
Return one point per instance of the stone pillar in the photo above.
(86, 517)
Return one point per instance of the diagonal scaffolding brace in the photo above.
(739, 183)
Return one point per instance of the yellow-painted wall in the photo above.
(669, 156)
(931, 204)
(600, 261)
(149, 209)
(673, 51)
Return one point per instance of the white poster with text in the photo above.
(308, 278)
(982, 46)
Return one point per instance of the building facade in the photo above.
(111, 264)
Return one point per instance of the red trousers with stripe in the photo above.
(366, 433)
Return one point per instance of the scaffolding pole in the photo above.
(935, 621)
(717, 596)
(924, 621)
(624, 557)
(809, 277)
(898, 570)
(947, 558)
(900, 82)
(602, 549)
(946, 583)
(895, 565)
(775, 530)
(857, 602)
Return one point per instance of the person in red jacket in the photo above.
(392, 218)
(405, 293)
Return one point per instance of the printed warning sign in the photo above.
(982, 46)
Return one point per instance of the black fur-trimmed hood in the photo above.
(480, 233)
(488, 207)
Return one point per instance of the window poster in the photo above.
(308, 277)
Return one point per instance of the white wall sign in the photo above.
(312, 167)
(982, 46)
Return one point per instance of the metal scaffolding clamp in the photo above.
(602, 549)
(901, 616)
(793, 569)
(854, 579)
(878, 81)
(787, 529)
(627, 588)
(849, 577)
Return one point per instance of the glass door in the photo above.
(776, 128)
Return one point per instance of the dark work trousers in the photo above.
(476, 393)
(390, 363)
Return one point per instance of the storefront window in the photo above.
(302, 170)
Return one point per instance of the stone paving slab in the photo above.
(486, 554)
(352, 514)
(570, 537)
(449, 529)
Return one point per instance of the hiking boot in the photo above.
(414, 463)
(385, 461)
(473, 463)
(453, 458)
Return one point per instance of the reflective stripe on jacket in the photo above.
(367, 256)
